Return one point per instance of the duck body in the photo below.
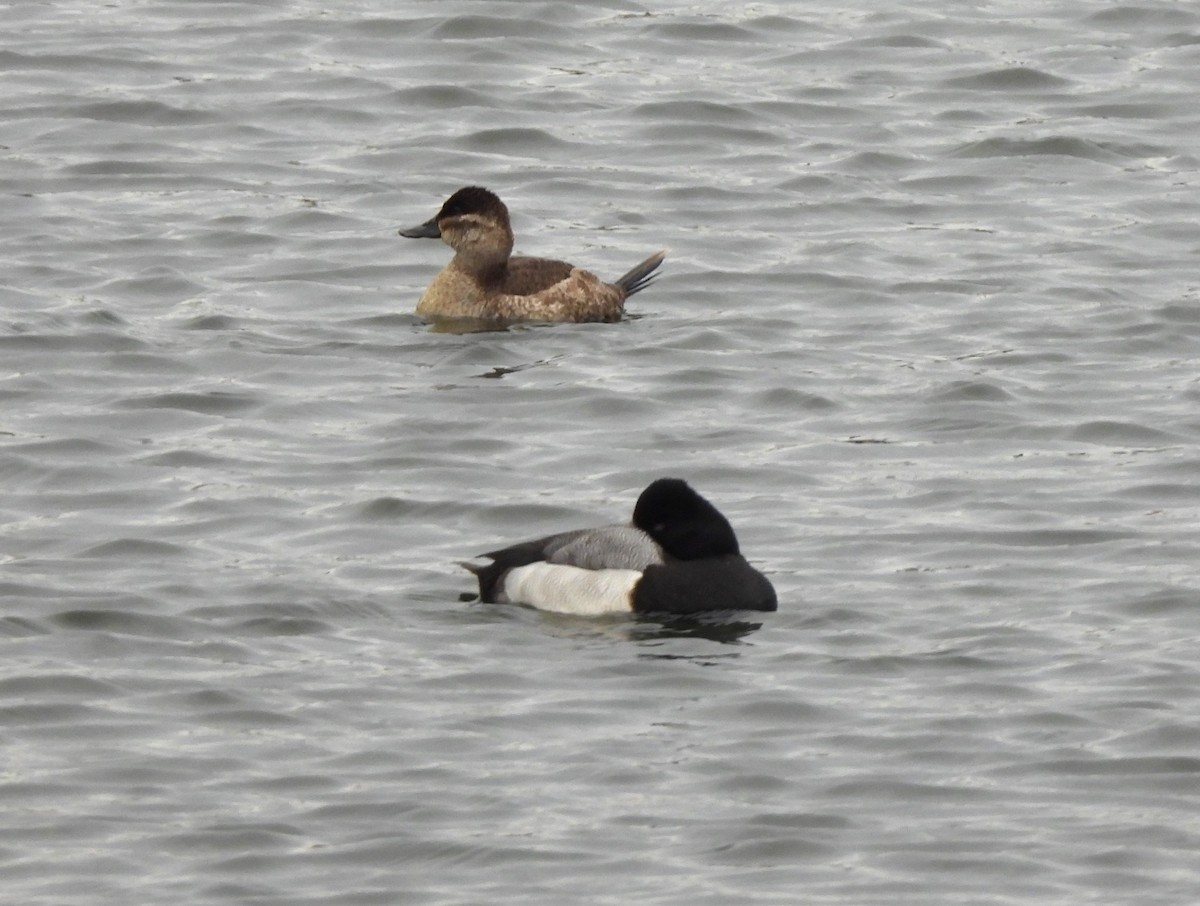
(678, 555)
(485, 282)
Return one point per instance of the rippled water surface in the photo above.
(927, 333)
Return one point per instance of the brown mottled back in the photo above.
(526, 276)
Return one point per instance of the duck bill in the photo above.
(427, 230)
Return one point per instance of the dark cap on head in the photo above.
(686, 525)
(472, 200)
(468, 200)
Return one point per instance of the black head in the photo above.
(473, 200)
(686, 525)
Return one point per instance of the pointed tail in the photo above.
(488, 576)
(641, 275)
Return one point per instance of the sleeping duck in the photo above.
(483, 281)
(678, 555)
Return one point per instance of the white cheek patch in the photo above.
(569, 589)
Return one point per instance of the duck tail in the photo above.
(642, 275)
(488, 576)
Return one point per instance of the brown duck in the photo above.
(484, 282)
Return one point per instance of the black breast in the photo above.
(695, 586)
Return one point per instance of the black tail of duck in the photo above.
(641, 275)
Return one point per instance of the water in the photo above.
(927, 334)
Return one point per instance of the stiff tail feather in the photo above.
(641, 275)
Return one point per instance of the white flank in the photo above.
(569, 589)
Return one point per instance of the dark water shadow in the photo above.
(723, 627)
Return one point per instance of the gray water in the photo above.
(927, 334)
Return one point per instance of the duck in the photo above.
(678, 555)
(484, 282)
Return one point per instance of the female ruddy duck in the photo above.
(482, 281)
(678, 555)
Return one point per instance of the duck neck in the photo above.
(487, 265)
